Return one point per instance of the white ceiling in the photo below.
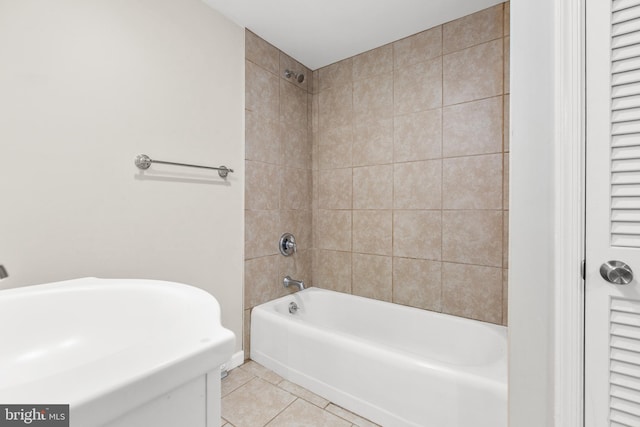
(321, 32)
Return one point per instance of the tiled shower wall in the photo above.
(410, 170)
(278, 173)
(400, 154)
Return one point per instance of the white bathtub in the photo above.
(119, 352)
(396, 365)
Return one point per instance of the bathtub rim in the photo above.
(494, 371)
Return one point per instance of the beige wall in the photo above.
(409, 155)
(278, 173)
(86, 86)
(410, 159)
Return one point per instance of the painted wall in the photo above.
(532, 249)
(86, 86)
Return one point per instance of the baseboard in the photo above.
(236, 360)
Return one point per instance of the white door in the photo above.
(612, 312)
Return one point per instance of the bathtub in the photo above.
(396, 365)
(121, 353)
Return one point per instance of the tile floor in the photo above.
(253, 396)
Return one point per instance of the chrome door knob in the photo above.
(616, 272)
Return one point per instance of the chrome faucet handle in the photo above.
(3, 272)
(287, 244)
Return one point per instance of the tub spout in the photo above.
(288, 281)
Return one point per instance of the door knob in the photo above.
(616, 272)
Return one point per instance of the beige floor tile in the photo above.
(255, 403)
(350, 416)
(235, 379)
(303, 393)
(260, 371)
(303, 414)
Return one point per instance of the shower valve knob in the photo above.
(287, 244)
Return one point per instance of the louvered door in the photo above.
(612, 320)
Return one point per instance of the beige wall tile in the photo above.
(293, 105)
(255, 403)
(309, 76)
(373, 143)
(473, 29)
(332, 270)
(472, 237)
(262, 90)
(334, 230)
(315, 109)
(261, 231)
(299, 224)
(417, 283)
(335, 189)
(316, 82)
(246, 336)
(373, 232)
(506, 122)
(507, 74)
(418, 87)
(335, 74)
(418, 136)
(507, 18)
(262, 139)
(472, 291)
(373, 98)
(372, 63)
(418, 47)
(280, 119)
(473, 73)
(373, 187)
(336, 107)
(262, 186)
(417, 234)
(295, 191)
(472, 128)
(505, 240)
(295, 147)
(473, 182)
(315, 182)
(417, 185)
(505, 185)
(335, 147)
(261, 280)
(380, 119)
(288, 63)
(260, 52)
(372, 276)
(311, 414)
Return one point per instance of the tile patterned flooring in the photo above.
(254, 396)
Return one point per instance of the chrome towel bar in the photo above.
(143, 162)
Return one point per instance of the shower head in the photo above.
(299, 77)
